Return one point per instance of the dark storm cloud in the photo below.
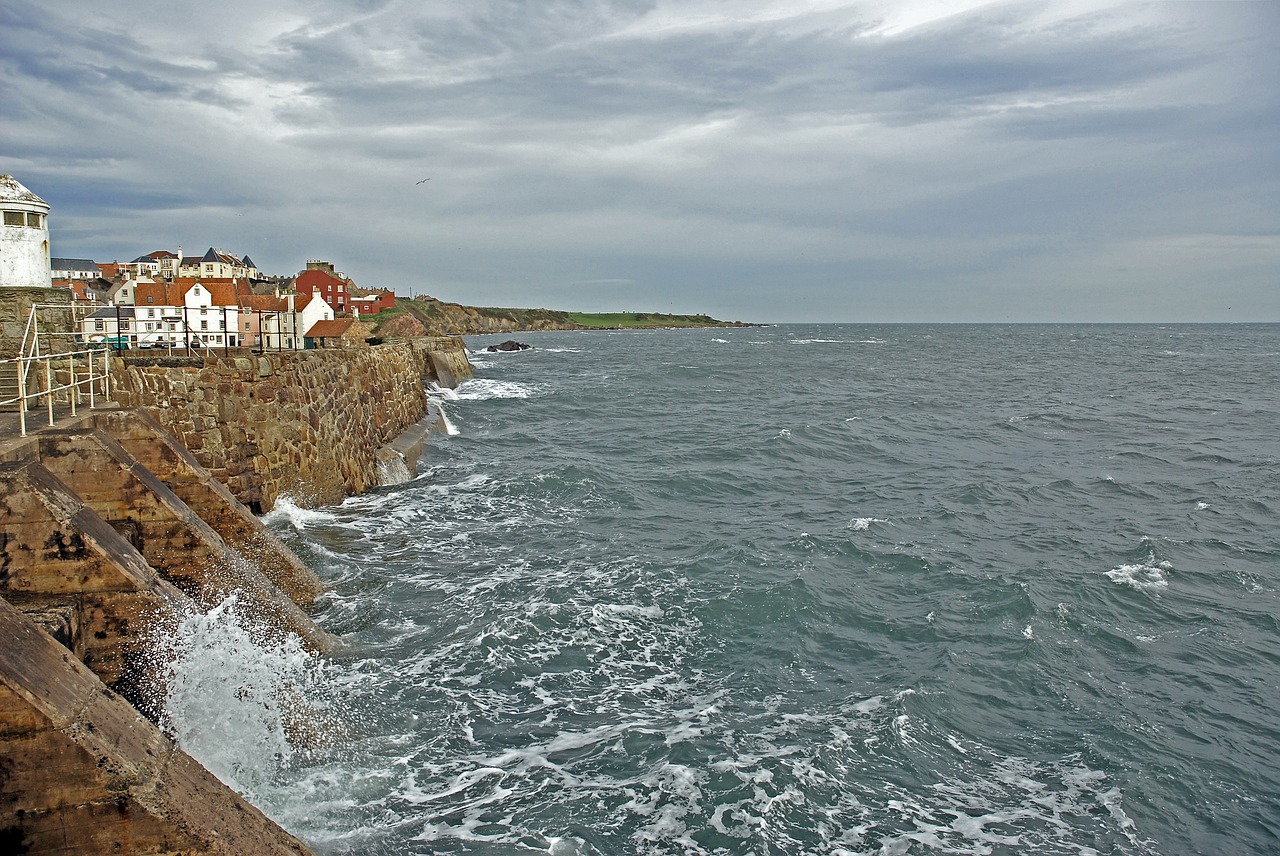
(780, 160)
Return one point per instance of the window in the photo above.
(152, 311)
(33, 220)
(14, 218)
(204, 324)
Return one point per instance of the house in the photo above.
(73, 269)
(329, 334)
(112, 325)
(217, 264)
(321, 279)
(187, 312)
(253, 307)
(371, 304)
(82, 291)
(285, 328)
(160, 263)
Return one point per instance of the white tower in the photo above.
(24, 236)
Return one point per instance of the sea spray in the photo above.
(244, 710)
(440, 417)
(393, 469)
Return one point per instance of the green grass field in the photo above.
(615, 320)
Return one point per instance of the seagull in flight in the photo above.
(420, 182)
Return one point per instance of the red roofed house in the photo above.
(173, 314)
(320, 278)
(286, 328)
(373, 304)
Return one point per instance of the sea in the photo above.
(800, 589)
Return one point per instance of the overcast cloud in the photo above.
(808, 160)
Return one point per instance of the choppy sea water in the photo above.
(792, 590)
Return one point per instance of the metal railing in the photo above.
(84, 377)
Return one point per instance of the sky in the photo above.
(756, 160)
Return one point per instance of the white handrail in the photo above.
(30, 356)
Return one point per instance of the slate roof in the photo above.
(87, 265)
(112, 312)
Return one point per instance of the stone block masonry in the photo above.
(305, 424)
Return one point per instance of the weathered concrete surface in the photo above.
(75, 575)
(81, 772)
(172, 537)
(178, 469)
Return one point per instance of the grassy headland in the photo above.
(427, 316)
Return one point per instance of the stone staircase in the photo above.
(9, 387)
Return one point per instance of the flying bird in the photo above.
(420, 182)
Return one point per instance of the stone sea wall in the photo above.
(307, 424)
(118, 521)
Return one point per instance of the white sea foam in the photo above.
(287, 509)
(861, 524)
(234, 704)
(1149, 576)
(482, 389)
(393, 470)
(444, 392)
(437, 410)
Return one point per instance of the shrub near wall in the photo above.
(305, 424)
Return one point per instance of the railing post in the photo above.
(48, 387)
(73, 391)
(22, 397)
(89, 360)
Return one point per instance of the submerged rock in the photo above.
(509, 345)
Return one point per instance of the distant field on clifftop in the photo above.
(613, 320)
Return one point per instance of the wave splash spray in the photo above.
(243, 700)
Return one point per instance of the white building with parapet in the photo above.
(24, 237)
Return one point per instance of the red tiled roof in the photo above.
(259, 302)
(329, 329)
(222, 292)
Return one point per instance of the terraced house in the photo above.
(178, 314)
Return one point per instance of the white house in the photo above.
(24, 236)
(74, 268)
(217, 264)
(286, 328)
(182, 313)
